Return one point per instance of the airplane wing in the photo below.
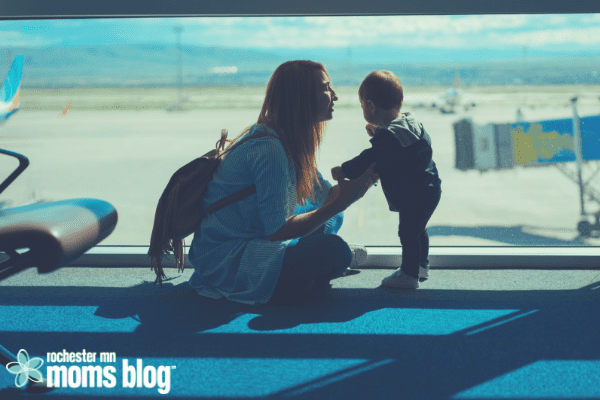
(9, 93)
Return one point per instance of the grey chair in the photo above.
(48, 236)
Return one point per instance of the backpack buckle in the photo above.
(221, 142)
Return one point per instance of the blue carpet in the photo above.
(363, 346)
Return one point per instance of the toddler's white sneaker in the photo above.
(400, 280)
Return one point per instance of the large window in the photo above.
(110, 108)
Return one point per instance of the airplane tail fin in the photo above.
(9, 93)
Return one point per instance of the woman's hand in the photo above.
(337, 173)
(340, 197)
(347, 192)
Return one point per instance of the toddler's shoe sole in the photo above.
(399, 280)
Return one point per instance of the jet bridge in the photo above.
(572, 145)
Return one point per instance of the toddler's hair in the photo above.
(383, 88)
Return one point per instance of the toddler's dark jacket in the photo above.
(403, 156)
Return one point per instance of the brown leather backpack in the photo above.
(180, 207)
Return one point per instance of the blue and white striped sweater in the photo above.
(231, 253)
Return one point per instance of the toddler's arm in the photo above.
(359, 164)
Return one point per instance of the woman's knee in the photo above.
(319, 251)
(326, 251)
(342, 255)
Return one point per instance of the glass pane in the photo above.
(110, 108)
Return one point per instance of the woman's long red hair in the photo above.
(291, 108)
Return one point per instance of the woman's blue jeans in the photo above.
(316, 258)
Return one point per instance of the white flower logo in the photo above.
(25, 368)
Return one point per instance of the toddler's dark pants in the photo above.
(412, 231)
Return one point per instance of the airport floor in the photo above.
(463, 334)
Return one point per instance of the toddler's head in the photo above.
(381, 97)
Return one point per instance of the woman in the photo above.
(279, 241)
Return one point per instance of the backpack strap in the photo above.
(224, 202)
(237, 143)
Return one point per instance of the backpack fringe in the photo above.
(160, 244)
(179, 255)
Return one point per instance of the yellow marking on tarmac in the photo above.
(66, 109)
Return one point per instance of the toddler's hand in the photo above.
(337, 173)
(371, 129)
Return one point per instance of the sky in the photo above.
(471, 36)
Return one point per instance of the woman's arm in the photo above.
(341, 196)
(322, 188)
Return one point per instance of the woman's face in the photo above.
(326, 96)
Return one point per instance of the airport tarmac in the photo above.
(126, 158)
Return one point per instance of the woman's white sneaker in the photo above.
(400, 280)
(359, 255)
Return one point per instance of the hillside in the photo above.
(156, 65)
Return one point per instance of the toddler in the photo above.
(401, 149)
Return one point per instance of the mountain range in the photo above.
(130, 65)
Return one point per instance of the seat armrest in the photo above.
(58, 232)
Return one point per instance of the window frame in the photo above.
(572, 257)
(42, 9)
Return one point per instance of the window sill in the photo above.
(390, 257)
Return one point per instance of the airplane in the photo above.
(452, 99)
(9, 93)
